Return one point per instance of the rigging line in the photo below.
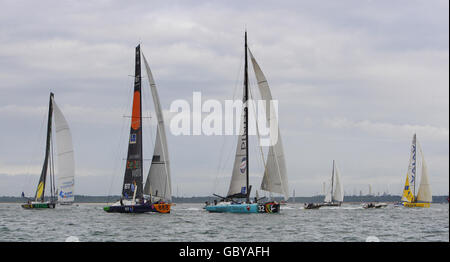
(148, 124)
(221, 164)
(419, 165)
(258, 135)
(34, 155)
(125, 107)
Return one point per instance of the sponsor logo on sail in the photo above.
(133, 139)
(243, 165)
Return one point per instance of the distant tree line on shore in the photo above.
(203, 199)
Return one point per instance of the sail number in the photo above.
(265, 208)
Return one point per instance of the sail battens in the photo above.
(61, 129)
(63, 153)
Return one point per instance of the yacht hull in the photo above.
(269, 207)
(412, 204)
(139, 208)
(38, 205)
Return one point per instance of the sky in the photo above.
(354, 81)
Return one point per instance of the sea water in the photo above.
(190, 222)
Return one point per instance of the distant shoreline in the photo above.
(203, 199)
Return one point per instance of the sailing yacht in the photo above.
(156, 195)
(335, 194)
(275, 178)
(62, 191)
(423, 197)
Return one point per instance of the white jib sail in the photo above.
(159, 173)
(424, 193)
(275, 174)
(338, 194)
(65, 177)
(239, 175)
(329, 192)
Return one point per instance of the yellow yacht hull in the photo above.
(409, 204)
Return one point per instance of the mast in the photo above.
(133, 178)
(246, 117)
(415, 167)
(41, 185)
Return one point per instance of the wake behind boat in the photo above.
(275, 178)
(156, 196)
(63, 190)
(311, 206)
(374, 205)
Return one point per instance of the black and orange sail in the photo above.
(133, 178)
(134, 198)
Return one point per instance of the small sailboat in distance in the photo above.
(64, 187)
(156, 196)
(274, 180)
(335, 194)
(423, 197)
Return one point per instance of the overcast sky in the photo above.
(354, 80)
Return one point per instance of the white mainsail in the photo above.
(65, 177)
(158, 180)
(238, 178)
(275, 174)
(424, 193)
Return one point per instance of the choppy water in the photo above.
(189, 222)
